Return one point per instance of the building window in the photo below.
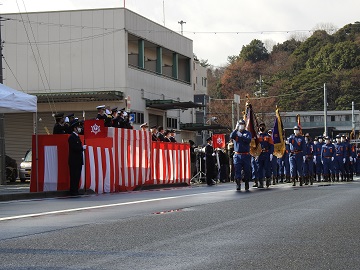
(196, 80)
(139, 117)
(312, 118)
(205, 82)
(332, 118)
(347, 117)
(171, 123)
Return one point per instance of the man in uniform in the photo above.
(339, 158)
(230, 153)
(153, 131)
(68, 120)
(348, 157)
(284, 164)
(160, 133)
(210, 162)
(274, 163)
(172, 135)
(265, 158)
(59, 127)
(318, 143)
(308, 165)
(75, 158)
(327, 158)
(242, 158)
(167, 136)
(296, 157)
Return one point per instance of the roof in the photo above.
(79, 96)
(170, 104)
(14, 101)
(200, 126)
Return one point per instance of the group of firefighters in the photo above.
(304, 160)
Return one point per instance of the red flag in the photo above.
(94, 129)
(218, 140)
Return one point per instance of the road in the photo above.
(310, 227)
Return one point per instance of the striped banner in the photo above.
(170, 163)
(132, 155)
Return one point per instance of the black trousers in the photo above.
(75, 175)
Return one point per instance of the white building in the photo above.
(76, 60)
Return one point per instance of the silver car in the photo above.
(25, 167)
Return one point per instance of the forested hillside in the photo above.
(294, 72)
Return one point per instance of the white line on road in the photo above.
(104, 206)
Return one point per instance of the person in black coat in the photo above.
(210, 162)
(59, 127)
(75, 157)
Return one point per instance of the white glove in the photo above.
(332, 159)
(351, 159)
(213, 154)
(271, 157)
(314, 159)
(344, 160)
(84, 147)
(66, 120)
(322, 162)
(304, 158)
(354, 160)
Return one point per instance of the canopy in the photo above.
(13, 101)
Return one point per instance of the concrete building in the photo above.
(74, 61)
(338, 122)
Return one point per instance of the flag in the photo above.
(94, 129)
(299, 123)
(255, 147)
(277, 136)
(218, 140)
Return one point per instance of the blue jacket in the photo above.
(328, 150)
(266, 142)
(297, 144)
(242, 140)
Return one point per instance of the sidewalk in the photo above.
(21, 191)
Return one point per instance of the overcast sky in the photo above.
(235, 22)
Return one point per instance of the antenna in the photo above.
(181, 22)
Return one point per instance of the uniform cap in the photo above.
(59, 115)
(114, 109)
(172, 131)
(270, 131)
(70, 115)
(191, 142)
(327, 138)
(241, 122)
(343, 135)
(75, 123)
(153, 127)
(262, 124)
(101, 107)
(144, 125)
(307, 135)
(209, 139)
(338, 136)
(296, 128)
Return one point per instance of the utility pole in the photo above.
(325, 110)
(181, 23)
(353, 115)
(2, 123)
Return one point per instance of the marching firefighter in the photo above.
(242, 157)
(296, 157)
(327, 158)
(266, 156)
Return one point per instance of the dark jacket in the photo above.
(75, 150)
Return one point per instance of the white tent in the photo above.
(13, 101)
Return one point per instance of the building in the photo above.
(312, 122)
(74, 61)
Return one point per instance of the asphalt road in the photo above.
(312, 227)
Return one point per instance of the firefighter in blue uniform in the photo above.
(348, 157)
(308, 165)
(339, 158)
(284, 165)
(296, 157)
(265, 158)
(318, 143)
(274, 163)
(242, 157)
(327, 158)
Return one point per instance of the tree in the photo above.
(254, 52)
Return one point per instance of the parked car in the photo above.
(25, 167)
(11, 169)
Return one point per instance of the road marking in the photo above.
(105, 206)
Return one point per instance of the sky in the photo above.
(220, 28)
